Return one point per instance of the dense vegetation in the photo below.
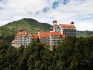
(31, 26)
(72, 54)
(84, 33)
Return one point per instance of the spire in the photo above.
(55, 22)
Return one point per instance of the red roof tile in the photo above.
(47, 34)
(44, 34)
(63, 36)
(55, 34)
(67, 25)
(20, 34)
(35, 36)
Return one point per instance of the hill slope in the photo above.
(84, 33)
(30, 25)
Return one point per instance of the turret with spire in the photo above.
(54, 22)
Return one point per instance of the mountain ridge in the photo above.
(29, 24)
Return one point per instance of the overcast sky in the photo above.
(64, 11)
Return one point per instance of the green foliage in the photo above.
(72, 54)
(84, 33)
(30, 25)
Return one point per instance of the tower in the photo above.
(55, 26)
(55, 22)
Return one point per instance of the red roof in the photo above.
(47, 34)
(67, 25)
(44, 34)
(63, 36)
(20, 34)
(35, 36)
(55, 34)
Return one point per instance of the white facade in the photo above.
(22, 38)
(68, 30)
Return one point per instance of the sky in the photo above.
(64, 11)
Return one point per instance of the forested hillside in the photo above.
(30, 25)
(84, 33)
(72, 54)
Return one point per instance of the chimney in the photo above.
(71, 22)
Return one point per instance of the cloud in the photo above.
(65, 11)
(55, 4)
(65, 1)
(46, 9)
